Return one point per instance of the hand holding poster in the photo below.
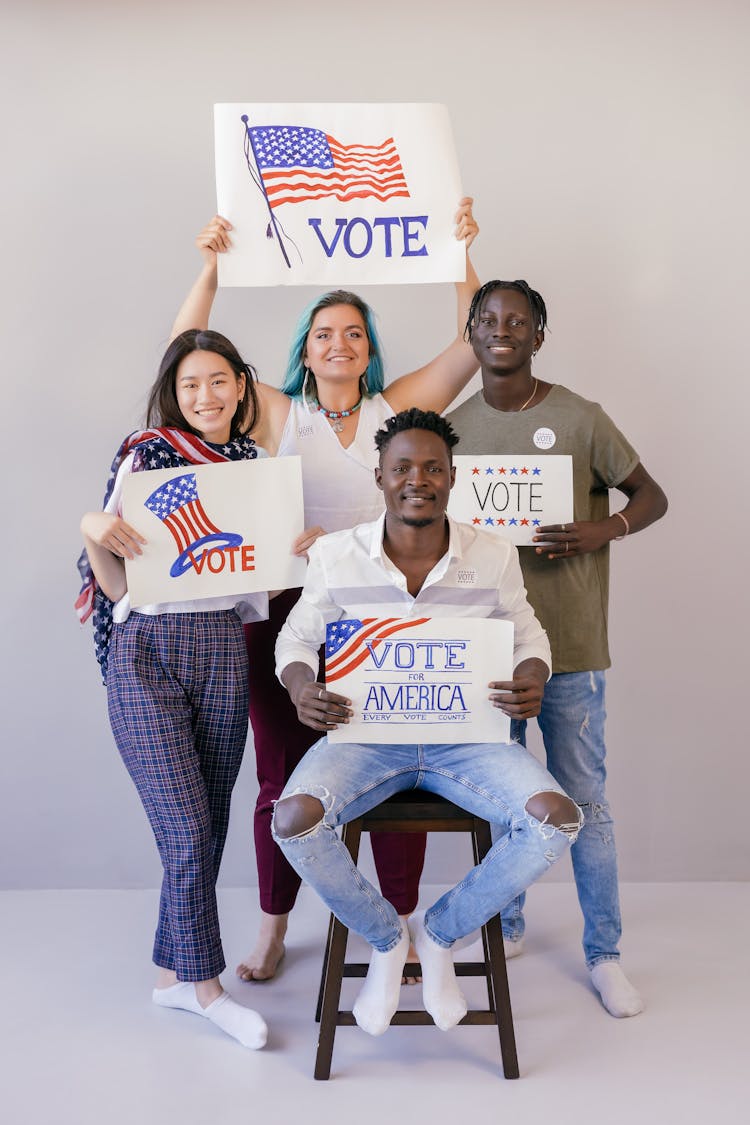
(419, 679)
(334, 194)
(213, 530)
(512, 495)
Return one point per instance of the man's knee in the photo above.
(556, 809)
(293, 816)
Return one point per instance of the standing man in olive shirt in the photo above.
(567, 582)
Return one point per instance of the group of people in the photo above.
(377, 473)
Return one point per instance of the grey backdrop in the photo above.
(605, 146)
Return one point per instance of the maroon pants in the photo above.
(281, 741)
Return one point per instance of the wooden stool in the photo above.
(416, 810)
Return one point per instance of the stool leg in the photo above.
(503, 1011)
(497, 974)
(331, 996)
(333, 969)
(324, 970)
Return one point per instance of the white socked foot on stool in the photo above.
(378, 998)
(443, 998)
(243, 1024)
(617, 994)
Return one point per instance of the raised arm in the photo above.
(196, 308)
(434, 386)
(214, 239)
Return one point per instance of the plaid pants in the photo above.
(177, 694)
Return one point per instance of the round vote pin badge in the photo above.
(544, 438)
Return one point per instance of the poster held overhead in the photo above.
(336, 194)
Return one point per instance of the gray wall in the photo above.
(602, 142)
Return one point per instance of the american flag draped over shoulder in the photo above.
(158, 448)
(298, 163)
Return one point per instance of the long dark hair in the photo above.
(163, 408)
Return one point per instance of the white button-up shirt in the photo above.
(350, 575)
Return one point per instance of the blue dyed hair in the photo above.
(295, 370)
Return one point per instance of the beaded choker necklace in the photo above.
(335, 416)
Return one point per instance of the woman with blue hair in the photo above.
(332, 402)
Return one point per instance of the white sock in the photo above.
(180, 995)
(378, 998)
(443, 998)
(617, 993)
(242, 1024)
(512, 948)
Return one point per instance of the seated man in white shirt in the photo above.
(414, 561)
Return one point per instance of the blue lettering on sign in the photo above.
(315, 224)
(405, 654)
(386, 224)
(402, 698)
(348, 238)
(359, 235)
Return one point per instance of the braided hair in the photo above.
(537, 307)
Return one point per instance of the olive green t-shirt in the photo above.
(569, 595)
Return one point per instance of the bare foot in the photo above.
(266, 956)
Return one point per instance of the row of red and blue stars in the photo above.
(513, 471)
(507, 523)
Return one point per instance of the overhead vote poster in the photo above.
(337, 194)
(419, 679)
(214, 530)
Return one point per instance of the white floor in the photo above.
(81, 1044)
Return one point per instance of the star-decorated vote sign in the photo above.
(336, 194)
(419, 679)
(513, 495)
(214, 530)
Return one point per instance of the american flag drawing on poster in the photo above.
(350, 641)
(298, 164)
(178, 506)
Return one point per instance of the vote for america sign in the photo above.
(335, 194)
(419, 679)
(214, 530)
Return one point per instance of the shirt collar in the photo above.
(378, 531)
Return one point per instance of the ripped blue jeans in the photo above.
(572, 726)
(493, 781)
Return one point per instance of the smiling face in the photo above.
(337, 346)
(504, 335)
(208, 393)
(416, 476)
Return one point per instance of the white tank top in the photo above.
(339, 484)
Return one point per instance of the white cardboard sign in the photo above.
(513, 495)
(419, 679)
(214, 530)
(336, 194)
